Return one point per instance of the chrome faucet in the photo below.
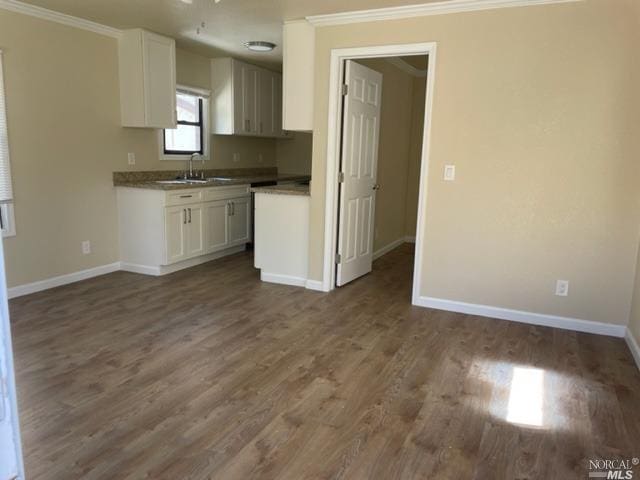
(189, 174)
(202, 175)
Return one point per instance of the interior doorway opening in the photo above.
(379, 124)
(381, 139)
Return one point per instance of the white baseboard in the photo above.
(315, 285)
(283, 279)
(391, 246)
(633, 346)
(387, 248)
(565, 323)
(142, 269)
(41, 285)
(60, 280)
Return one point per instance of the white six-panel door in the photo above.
(10, 452)
(360, 132)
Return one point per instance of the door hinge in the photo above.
(344, 90)
(338, 258)
(341, 177)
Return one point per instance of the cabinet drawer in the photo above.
(183, 197)
(222, 193)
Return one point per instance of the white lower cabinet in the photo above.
(184, 232)
(161, 229)
(239, 221)
(217, 226)
(175, 227)
(196, 234)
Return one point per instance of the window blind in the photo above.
(6, 192)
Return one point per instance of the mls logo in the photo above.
(612, 469)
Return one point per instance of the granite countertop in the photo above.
(301, 190)
(149, 180)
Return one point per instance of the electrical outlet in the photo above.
(236, 157)
(86, 247)
(131, 158)
(449, 173)
(562, 288)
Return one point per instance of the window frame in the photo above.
(7, 220)
(204, 97)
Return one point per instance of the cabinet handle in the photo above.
(247, 125)
(228, 209)
(233, 208)
(189, 215)
(184, 219)
(186, 196)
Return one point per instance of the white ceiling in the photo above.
(228, 24)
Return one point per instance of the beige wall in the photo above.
(66, 140)
(293, 155)
(538, 109)
(63, 116)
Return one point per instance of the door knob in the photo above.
(376, 186)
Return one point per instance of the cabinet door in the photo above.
(266, 103)
(240, 221)
(277, 106)
(217, 235)
(270, 104)
(246, 82)
(175, 227)
(159, 80)
(196, 232)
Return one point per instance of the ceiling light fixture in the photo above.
(260, 46)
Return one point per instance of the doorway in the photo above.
(352, 236)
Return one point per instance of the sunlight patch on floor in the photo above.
(526, 397)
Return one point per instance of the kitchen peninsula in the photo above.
(282, 233)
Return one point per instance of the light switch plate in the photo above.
(562, 288)
(449, 173)
(131, 158)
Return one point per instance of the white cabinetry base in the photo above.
(192, 262)
(283, 279)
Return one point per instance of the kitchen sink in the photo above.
(221, 179)
(181, 182)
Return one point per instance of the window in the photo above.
(7, 223)
(191, 134)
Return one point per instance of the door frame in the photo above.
(337, 62)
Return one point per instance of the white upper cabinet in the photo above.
(271, 104)
(245, 100)
(147, 64)
(246, 85)
(298, 75)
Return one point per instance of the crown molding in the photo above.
(57, 17)
(421, 10)
(406, 67)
